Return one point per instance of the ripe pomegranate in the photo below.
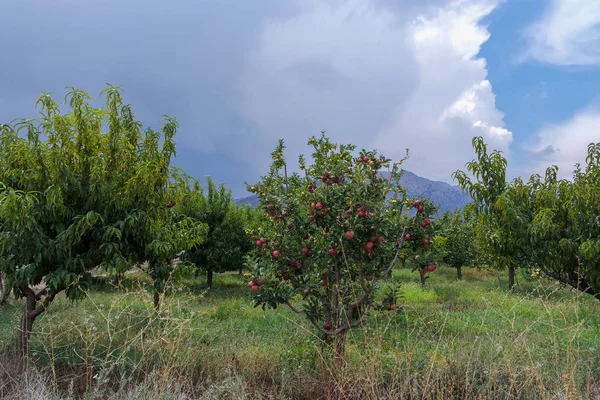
(276, 254)
(349, 235)
(332, 252)
(431, 268)
(417, 203)
(420, 208)
(319, 206)
(327, 326)
(369, 278)
(250, 284)
(260, 282)
(369, 246)
(255, 288)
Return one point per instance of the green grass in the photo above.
(451, 338)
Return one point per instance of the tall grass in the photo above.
(451, 339)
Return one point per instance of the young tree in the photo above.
(504, 233)
(418, 241)
(74, 188)
(227, 242)
(330, 235)
(456, 241)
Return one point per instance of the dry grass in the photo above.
(453, 339)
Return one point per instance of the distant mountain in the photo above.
(448, 197)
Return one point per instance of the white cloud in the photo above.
(380, 77)
(568, 33)
(565, 144)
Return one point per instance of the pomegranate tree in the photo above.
(338, 225)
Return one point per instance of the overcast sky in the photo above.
(387, 74)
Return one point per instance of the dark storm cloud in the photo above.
(177, 58)
(239, 74)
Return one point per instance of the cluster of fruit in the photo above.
(273, 210)
(376, 163)
(255, 284)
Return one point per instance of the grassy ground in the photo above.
(460, 339)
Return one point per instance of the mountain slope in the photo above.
(448, 197)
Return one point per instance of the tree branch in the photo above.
(354, 324)
(44, 305)
(294, 309)
(395, 259)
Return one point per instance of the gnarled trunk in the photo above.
(30, 313)
(459, 272)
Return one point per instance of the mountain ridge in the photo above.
(442, 194)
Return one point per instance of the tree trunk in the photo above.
(459, 272)
(117, 279)
(511, 277)
(5, 289)
(25, 326)
(156, 299)
(422, 273)
(209, 278)
(241, 271)
(403, 262)
(30, 313)
(338, 355)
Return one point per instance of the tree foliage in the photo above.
(564, 229)
(550, 223)
(501, 226)
(226, 241)
(76, 190)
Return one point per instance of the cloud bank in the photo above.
(238, 75)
